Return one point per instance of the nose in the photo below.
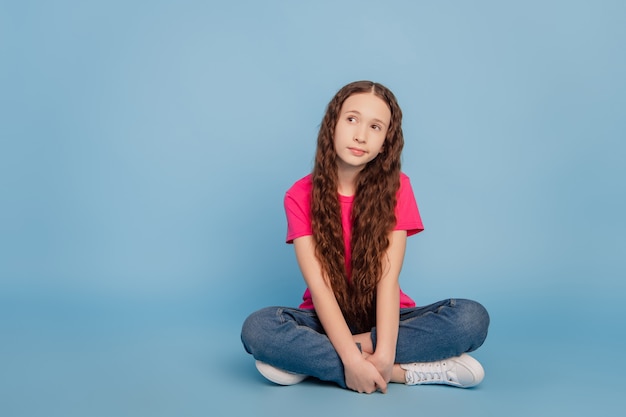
(360, 135)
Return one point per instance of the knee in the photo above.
(255, 328)
(473, 320)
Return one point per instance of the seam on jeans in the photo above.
(279, 313)
(450, 302)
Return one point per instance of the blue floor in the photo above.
(104, 357)
(145, 148)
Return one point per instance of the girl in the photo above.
(348, 221)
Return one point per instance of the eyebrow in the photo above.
(357, 112)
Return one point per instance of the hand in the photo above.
(384, 366)
(362, 376)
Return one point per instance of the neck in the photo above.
(346, 184)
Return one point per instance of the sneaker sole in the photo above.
(278, 376)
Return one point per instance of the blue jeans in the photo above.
(294, 339)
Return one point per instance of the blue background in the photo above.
(145, 148)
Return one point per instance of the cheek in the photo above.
(340, 131)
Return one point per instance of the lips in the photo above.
(357, 151)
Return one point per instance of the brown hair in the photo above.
(373, 211)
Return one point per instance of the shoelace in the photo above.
(429, 372)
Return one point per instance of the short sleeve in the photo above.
(297, 204)
(407, 213)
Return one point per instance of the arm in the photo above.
(387, 305)
(361, 375)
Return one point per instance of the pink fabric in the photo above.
(297, 209)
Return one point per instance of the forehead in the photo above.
(368, 105)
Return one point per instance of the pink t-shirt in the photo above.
(298, 210)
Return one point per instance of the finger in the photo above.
(370, 389)
(382, 386)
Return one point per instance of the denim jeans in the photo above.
(294, 340)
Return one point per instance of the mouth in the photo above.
(357, 151)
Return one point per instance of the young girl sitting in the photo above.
(348, 221)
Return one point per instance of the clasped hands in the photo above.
(368, 373)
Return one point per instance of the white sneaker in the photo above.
(279, 376)
(460, 371)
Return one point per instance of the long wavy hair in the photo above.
(373, 211)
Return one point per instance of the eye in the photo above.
(377, 127)
(351, 119)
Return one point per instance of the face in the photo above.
(361, 130)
